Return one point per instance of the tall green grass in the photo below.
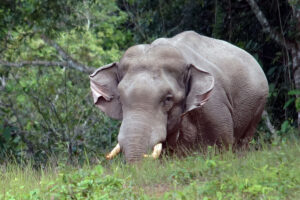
(271, 172)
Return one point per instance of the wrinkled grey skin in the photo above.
(185, 91)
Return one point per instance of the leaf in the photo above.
(289, 102)
(297, 103)
(21, 99)
(6, 133)
(294, 92)
(271, 70)
(284, 126)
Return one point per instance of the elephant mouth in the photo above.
(155, 154)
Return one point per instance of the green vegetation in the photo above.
(52, 137)
(48, 48)
(49, 110)
(272, 172)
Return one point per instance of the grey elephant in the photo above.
(184, 92)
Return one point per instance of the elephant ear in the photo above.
(104, 82)
(200, 84)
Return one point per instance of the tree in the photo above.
(48, 49)
(292, 44)
(48, 19)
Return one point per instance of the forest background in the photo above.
(48, 48)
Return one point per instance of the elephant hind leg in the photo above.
(246, 137)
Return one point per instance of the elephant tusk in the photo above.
(114, 152)
(156, 151)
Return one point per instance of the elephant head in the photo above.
(150, 90)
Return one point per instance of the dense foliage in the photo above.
(46, 48)
(48, 110)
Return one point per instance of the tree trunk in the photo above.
(292, 46)
(296, 69)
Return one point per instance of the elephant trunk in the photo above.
(134, 152)
(138, 137)
(134, 139)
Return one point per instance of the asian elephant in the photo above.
(187, 91)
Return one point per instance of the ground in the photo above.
(270, 172)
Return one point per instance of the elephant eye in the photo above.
(168, 102)
(169, 98)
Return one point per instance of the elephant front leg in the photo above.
(202, 128)
(188, 134)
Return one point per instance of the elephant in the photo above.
(184, 92)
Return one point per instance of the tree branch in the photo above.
(45, 64)
(70, 61)
(34, 63)
(134, 20)
(267, 120)
(266, 26)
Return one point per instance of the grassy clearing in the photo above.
(270, 173)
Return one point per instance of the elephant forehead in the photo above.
(142, 82)
(158, 50)
(154, 65)
(135, 51)
(164, 51)
(152, 57)
(146, 86)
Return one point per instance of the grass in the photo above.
(272, 172)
